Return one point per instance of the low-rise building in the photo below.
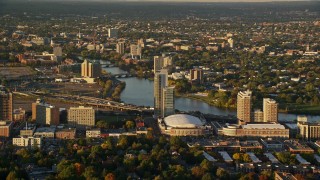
(28, 130)
(93, 133)
(284, 176)
(296, 147)
(45, 132)
(29, 141)
(66, 133)
(5, 128)
(270, 144)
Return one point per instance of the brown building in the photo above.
(66, 133)
(296, 147)
(5, 128)
(244, 106)
(45, 113)
(6, 105)
(81, 116)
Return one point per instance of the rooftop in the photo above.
(263, 126)
(183, 121)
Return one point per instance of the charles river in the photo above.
(140, 92)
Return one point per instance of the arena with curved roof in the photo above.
(182, 125)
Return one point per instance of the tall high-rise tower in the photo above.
(6, 105)
(163, 95)
(270, 110)
(244, 106)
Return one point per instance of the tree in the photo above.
(237, 157)
(89, 172)
(197, 171)
(222, 173)
(110, 176)
(246, 158)
(130, 124)
(12, 175)
(207, 176)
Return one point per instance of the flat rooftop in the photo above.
(263, 126)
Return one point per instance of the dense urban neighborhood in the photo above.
(155, 90)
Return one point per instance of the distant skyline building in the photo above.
(270, 110)
(90, 70)
(113, 33)
(120, 48)
(135, 51)
(6, 105)
(244, 106)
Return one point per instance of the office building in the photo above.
(93, 133)
(30, 142)
(135, 51)
(90, 69)
(45, 113)
(270, 110)
(167, 101)
(196, 75)
(28, 130)
(244, 106)
(5, 128)
(81, 116)
(113, 33)
(160, 82)
(120, 47)
(6, 105)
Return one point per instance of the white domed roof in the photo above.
(183, 121)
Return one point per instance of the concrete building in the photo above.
(5, 128)
(113, 33)
(6, 105)
(196, 75)
(25, 141)
(81, 116)
(90, 70)
(256, 130)
(244, 106)
(120, 48)
(231, 42)
(45, 113)
(168, 107)
(135, 51)
(270, 110)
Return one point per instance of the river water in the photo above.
(140, 92)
